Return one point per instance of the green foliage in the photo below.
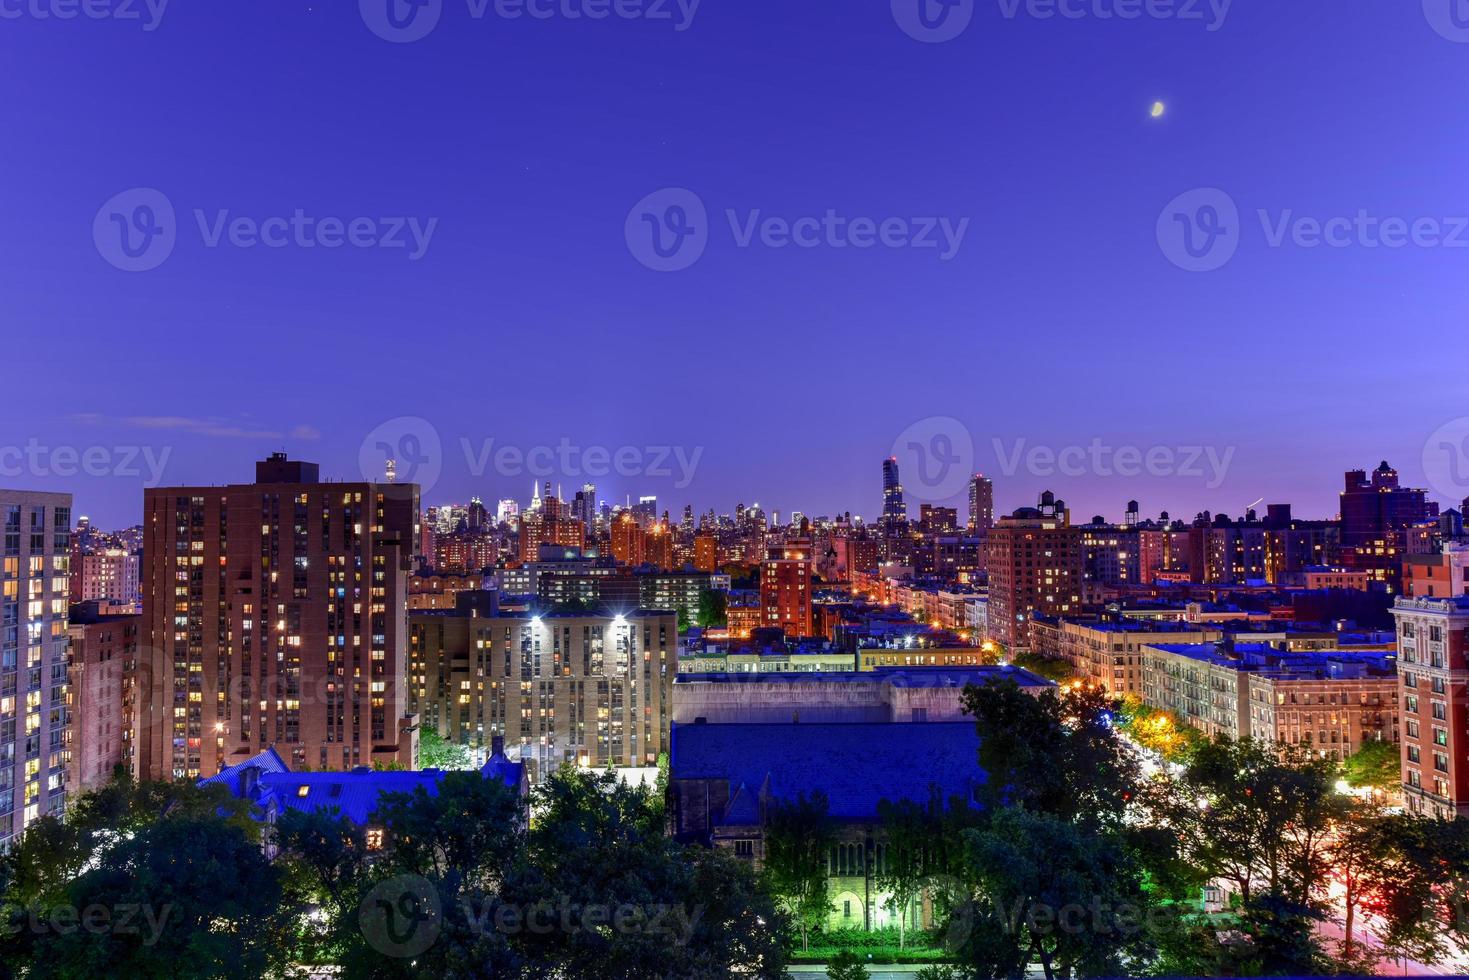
(1164, 733)
(435, 752)
(799, 835)
(1051, 668)
(939, 971)
(1052, 752)
(1376, 765)
(594, 888)
(1069, 895)
(846, 966)
(145, 880)
(713, 608)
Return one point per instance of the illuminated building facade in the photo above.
(1035, 565)
(1433, 674)
(592, 689)
(275, 613)
(785, 588)
(34, 600)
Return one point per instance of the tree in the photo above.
(846, 966)
(1422, 891)
(1358, 853)
(435, 752)
(799, 836)
(599, 846)
(713, 607)
(184, 896)
(910, 836)
(1377, 766)
(1052, 889)
(1051, 668)
(1262, 818)
(1052, 753)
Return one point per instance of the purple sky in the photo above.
(520, 147)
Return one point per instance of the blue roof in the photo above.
(855, 765)
(355, 793)
(896, 676)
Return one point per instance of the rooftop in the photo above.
(266, 778)
(855, 765)
(896, 676)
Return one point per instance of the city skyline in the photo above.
(1063, 317)
(1107, 496)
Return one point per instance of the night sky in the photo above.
(529, 155)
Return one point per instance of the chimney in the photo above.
(497, 747)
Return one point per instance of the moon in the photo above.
(1158, 110)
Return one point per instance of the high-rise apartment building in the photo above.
(585, 688)
(894, 507)
(981, 504)
(34, 601)
(785, 588)
(108, 575)
(1377, 517)
(1433, 678)
(104, 659)
(1034, 559)
(275, 613)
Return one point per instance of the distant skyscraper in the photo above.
(584, 505)
(981, 504)
(33, 657)
(507, 511)
(894, 507)
(275, 613)
(646, 510)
